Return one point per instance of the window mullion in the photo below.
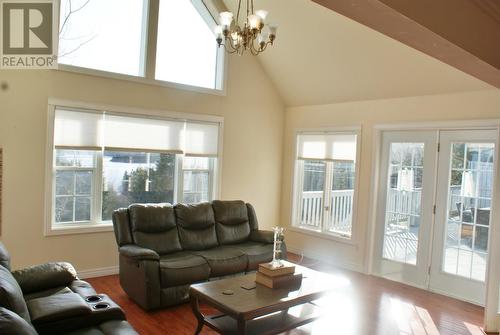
(151, 39)
(327, 210)
(211, 179)
(299, 191)
(179, 180)
(97, 186)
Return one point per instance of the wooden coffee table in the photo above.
(261, 310)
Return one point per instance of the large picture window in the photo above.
(103, 35)
(325, 182)
(103, 161)
(117, 37)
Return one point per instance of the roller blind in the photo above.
(201, 139)
(335, 147)
(76, 129)
(94, 131)
(141, 134)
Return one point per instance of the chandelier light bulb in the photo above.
(218, 30)
(255, 22)
(262, 14)
(262, 40)
(273, 28)
(218, 33)
(226, 18)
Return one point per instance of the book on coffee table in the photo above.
(268, 270)
(284, 281)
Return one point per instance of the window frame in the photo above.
(150, 33)
(297, 184)
(97, 224)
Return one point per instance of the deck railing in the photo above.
(339, 213)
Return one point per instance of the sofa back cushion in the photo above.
(196, 226)
(11, 295)
(153, 227)
(231, 221)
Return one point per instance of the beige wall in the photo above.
(253, 131)
(462, 106)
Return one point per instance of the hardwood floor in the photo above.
(362, 305)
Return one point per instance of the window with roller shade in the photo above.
(325, 182)
(103, 161)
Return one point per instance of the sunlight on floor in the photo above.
(341, 316)
(473, 329)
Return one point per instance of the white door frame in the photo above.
(492, 305)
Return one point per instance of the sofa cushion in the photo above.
(153, 226)
(46, 293)
(231, 221)
(4, 257)
(11, 296)
(182, 268)
(11, 323)
(196, 226)
(256, 252)
(224, 260)
(57, 307)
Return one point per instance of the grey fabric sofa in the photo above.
(164, 248)
(50, 299)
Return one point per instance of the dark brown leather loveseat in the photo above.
(164, 248)
(50, 299)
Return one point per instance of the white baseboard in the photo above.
(320, 257)
(98, 272)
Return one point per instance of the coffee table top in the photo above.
(249, 304)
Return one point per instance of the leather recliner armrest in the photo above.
(138, 253)
(263, 236)
(45, 276)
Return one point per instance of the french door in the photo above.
(434, 210)
(464, 203)
(405, 203)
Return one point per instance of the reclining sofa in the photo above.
(164, 248)
(50, 299)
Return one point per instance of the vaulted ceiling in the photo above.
(322, 57)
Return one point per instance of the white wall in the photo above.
(461, 106)
(252, 150)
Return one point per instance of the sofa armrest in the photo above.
(262, 236)
(45, 276)
(138, 253)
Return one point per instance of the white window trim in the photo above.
(293, 224)
(107, 226)
(150, 32)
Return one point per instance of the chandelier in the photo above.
(255, 36)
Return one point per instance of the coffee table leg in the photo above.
(195, 306)
(242, 327)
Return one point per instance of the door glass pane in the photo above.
(311, 198)
(403, 205)
(469, 206)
